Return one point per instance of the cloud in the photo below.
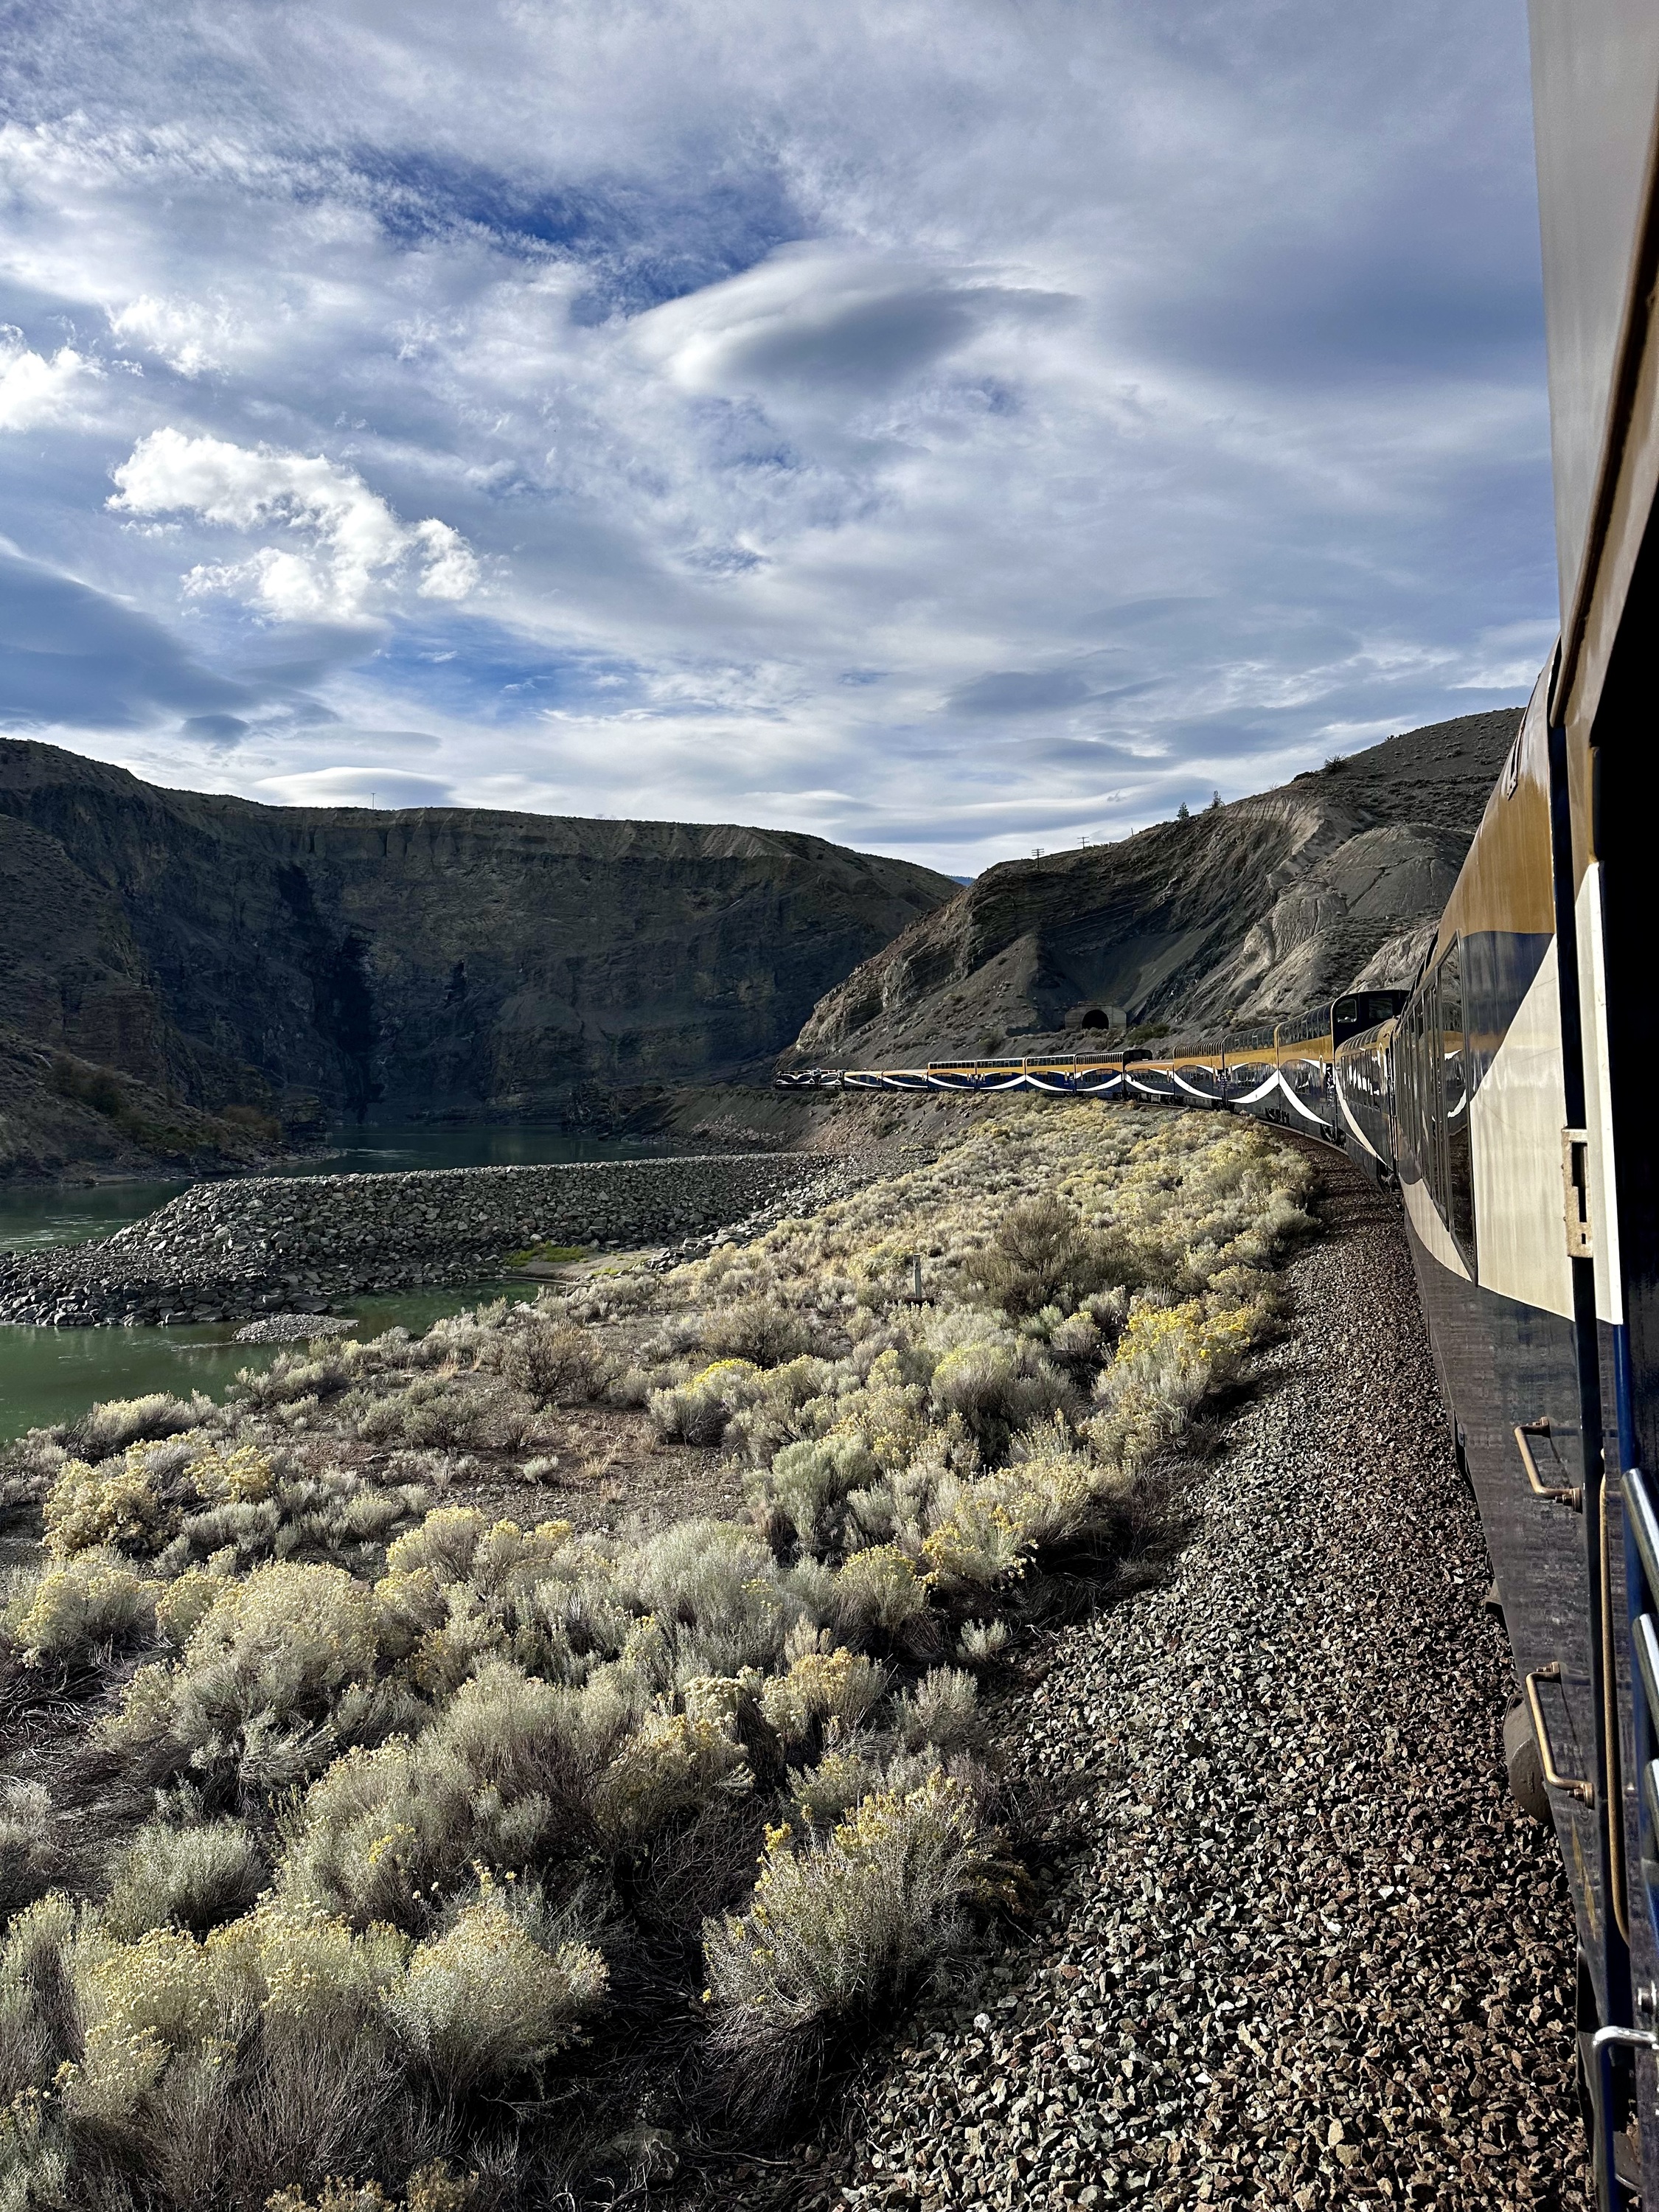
(352, 542)
(944, 429)
(192, 335)
(355, 787)
(35, 389)
(1014, 692)
(220, 731)
(71, 657)
(815, 319)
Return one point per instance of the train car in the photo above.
(1510, 1097)
(1471, 1100)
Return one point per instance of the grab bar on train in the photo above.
(1573, 1497)
(1574, 1785)
(1610, 1743)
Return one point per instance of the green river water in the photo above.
(53, 1374)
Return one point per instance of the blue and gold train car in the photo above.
(1509, 1098)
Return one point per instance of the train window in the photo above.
(1452, 1100)
(1363, 1009)
(1415, 1122)
(1432, 1062)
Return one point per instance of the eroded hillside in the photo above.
(308, 963)
(1242, 914)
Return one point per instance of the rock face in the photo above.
(317, 961)
(58, 1111)
(1243, 913)
(225, 1250)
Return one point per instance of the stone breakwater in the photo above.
(233, 1251)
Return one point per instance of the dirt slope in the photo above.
(1243, 913)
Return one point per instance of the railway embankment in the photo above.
(232, 1251)
(1298, 1946)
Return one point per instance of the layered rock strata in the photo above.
(232, 1251)
(301, 964)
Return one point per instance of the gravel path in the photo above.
(1309, 1953)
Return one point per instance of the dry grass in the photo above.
(442, 1812)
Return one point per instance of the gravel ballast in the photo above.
(1298, 1946)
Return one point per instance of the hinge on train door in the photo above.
(1575, 1192)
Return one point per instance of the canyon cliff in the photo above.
(1241, 914)
(181, 974)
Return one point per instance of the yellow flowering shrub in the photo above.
(668, 1765)
(443, 1544)
(838, 1686)
(843, 1923)
(699, 1412)
(95, 1598)
(91, 1508)
(494, 1781)
(184, 1603)
(983, 1541)
(879, 1589)
(510, 1559)
(314, 1627)
(1168, 1358)
(485, 2003)
(280, 1673)
(240, 1475)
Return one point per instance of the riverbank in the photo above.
(234, 1251)
(49, 1376)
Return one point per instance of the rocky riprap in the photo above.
(229, 1251)
(1297, 1946)
(294, 1329)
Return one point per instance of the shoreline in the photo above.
(236, 1251)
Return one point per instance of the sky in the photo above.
(955, 427)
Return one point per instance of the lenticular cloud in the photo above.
(351, 544)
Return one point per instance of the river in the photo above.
(53, 1374)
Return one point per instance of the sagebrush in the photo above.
(432, 1807)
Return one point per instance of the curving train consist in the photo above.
(1287, 1073)
(1508, 1095)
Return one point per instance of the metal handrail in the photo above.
(1572, 1496)
(1610, 1747)
(1574, 1784)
